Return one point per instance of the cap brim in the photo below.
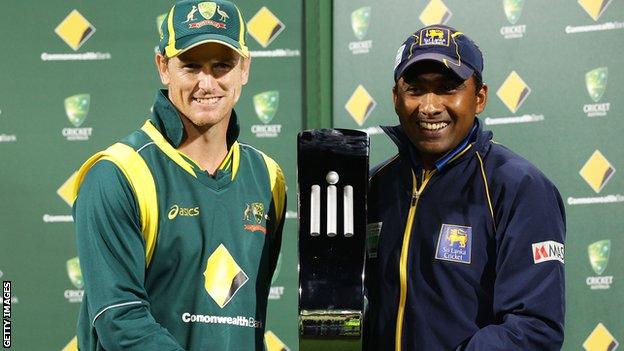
(462, 70)
(187, 43)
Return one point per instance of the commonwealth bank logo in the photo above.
(513, 10)
(75, 30)
(74, 273)
(594, 8)
(436, 12)
(360, 20)
(513, 92)
(600, 339)
(596, 82)
(66, 190)
(266, 104)
(223, 276)
(360, 105)
(264, 26)
(597, 171)
(598, 253)
(77, 108)
(273, 343)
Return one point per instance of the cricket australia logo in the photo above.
(254, 214)
(454, 244)
(77, 109)
(513, 9)
(207, 10)
(265, 105)
(360, 20)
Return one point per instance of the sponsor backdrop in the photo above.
(556, 89)
(80, 75)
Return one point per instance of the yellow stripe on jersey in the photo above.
(142, 182)
(278, 186)
(169, 150)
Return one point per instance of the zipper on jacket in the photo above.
(416, 192)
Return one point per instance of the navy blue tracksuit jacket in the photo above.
(468, 256)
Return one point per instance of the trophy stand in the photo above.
(332, 174)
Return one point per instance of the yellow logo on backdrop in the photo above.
(223, 276)
(264, 26)
(66, 190)
(360, 105)
(594, 8)
(597, 171)
(600, 339)
(273, 343)
(513, 92)
(435, 12)
(72, 345)
(75, 30)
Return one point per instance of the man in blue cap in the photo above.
(179, 225)
(469, 236)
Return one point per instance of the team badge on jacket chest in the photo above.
(254, 217)
(454, 243)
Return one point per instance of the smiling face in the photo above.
(204, 82)
(436, 108)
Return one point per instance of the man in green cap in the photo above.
(179, 225)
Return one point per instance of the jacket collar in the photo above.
(167, 120)
(477, 140)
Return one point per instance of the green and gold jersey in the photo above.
(172, 257)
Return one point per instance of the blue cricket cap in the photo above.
(443, 44)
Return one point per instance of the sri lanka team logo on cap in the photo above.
(454, 243)
(436, 12)
(434, 36)
(594, 8)
(265, 105)
(360, 19)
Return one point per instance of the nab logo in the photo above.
(264, 26)
(75, 30)
(360, 105)
(596, 84)
(513, 92)
(223, 276)
(600, 339)
(548, 251)
(594, 8)
(435, 12)
(597, 171)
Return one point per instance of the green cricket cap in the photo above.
(190, 23)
